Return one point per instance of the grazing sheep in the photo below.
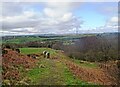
(47, 55)
(44, 53)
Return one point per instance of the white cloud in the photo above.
(49, 17)
(58, 9)
(27, 19)
(26, 15)
(110, 26)
(64, 6)
(114, 19)
(53, 13)
(56, 17)
(60, 18)
(67, 17)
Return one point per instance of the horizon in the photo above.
(60, 34)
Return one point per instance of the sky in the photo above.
(29, 18)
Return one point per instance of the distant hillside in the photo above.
(29, 38)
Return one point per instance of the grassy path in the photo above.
(54, 76)
(53, 72)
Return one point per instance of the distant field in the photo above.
(23, 39)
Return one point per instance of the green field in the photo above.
(37, 50)
(22, 39)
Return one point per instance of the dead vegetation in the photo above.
(13, 63)
(112, 68)
(98, 76)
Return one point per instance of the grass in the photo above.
(54, 73)
(85, 63)
(37, 50)
(36, 73)
(72, 80)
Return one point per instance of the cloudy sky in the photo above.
(21, 18)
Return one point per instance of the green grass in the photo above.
(54, 73)
(36, 73)
(37, 50)
(85, 64)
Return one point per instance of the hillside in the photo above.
(56, 70)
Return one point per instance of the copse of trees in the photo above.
(12, 45)
(94, 48)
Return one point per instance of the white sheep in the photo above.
(44, 53)
(47, 55)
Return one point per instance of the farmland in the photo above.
(23, 39)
